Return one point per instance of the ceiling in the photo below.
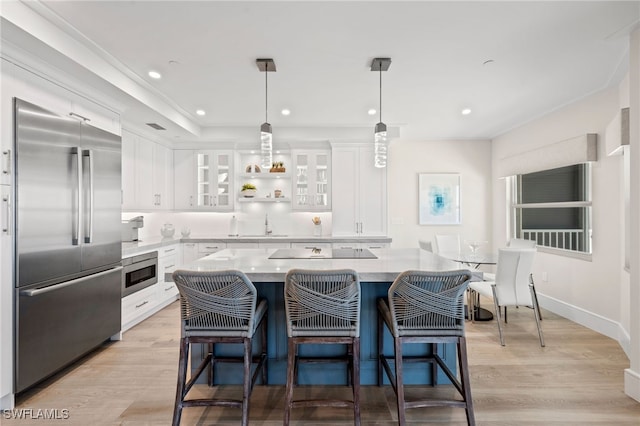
(509, 62)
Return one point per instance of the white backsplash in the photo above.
(251, 221)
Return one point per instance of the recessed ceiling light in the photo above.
(372, 112)
(286, 111)
(466, 111)
(155, 74)
(200, 112)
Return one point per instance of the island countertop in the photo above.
(255, 263)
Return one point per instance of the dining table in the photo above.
(475, 260)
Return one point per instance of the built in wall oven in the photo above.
(138, 272)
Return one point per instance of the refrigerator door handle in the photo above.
(39, 291)
(88, 230)
(75, 237)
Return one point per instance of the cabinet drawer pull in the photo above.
(168, 250)
(170, 266)
(375, 247)
(209, 247)
(168, 288)
(142, 304)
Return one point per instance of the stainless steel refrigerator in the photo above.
(67, 245)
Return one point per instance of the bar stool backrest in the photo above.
(433, 301)
(216, 302)
(322, 302)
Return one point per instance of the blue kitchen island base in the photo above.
(330, 373)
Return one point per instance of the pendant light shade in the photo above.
(380, 135)
(266, 134)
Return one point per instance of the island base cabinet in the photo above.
(329, 373)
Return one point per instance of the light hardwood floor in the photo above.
(576, 379)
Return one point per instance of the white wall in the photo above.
(589, 292)
(472, 159)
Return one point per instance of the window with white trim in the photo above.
(553, 208)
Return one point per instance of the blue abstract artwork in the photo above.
(439, 198)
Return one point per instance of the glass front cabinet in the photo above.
(204, 180)
(213, 179)
(311, 180)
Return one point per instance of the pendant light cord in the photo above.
(380, 69)
(266, 93)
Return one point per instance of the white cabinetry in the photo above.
(147, 174)
(6, 300)
(189, 253)
(142, 304)
(139, 306)
(360, 245)
(208, 248)
(360, 203)
(203, 180)
(168, 258)
(312, 180)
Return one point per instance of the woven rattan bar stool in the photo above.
(219, 307)
(426, 307)
(322, 307)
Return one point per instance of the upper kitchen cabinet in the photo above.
(203, 180)
(360, 203)
(147, 174)
(312, 180)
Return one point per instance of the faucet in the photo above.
(267, 227)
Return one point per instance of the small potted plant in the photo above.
(248, 190)
(277, 167)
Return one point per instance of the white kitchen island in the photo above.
(375, 276)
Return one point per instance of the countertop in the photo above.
(259, 268)
(130, 248)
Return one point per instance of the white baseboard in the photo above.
(595, 322)
(632, 384)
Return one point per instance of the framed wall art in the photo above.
(439, 198)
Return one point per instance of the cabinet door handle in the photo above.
(81, 117)
(159, 199)
(191, 200)
(6, 227)
(6, 169)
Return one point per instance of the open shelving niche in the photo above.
(265, 181)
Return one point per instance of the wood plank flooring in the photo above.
(577, 379)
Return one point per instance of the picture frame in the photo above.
(439, 199)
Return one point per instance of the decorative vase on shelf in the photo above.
(167, 230)
(248, 193)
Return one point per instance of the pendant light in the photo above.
(266, 134)
(380, 136)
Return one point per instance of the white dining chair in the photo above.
(446, 243)
(513, 286)
(426, 245)
(521, 243)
